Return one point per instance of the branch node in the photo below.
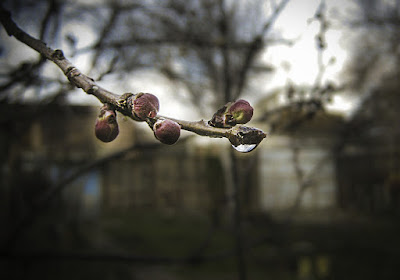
(58, 54)
(93, 89)
(72, 72)
(69, 70)
(125, 100)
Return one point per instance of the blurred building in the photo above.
(297, 167)
(55, 142)
(297, 164)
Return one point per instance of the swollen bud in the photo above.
(106, 128)
(145, 105)
(240, 112)
(167, 131)
(232, 113)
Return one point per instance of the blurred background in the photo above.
(318, 199)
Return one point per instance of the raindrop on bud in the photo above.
(245, 139)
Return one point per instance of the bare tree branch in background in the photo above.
(375, 45)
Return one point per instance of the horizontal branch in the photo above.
(236, 135)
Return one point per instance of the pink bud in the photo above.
(167, 131)
(106, 128)
(145, 105)
(231, 114)
(239, 112)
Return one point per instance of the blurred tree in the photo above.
(373, 128)
(375, 51)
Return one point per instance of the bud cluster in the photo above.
(144, 107)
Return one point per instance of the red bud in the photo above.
(167, 131)
(106, 128)
(145, 105)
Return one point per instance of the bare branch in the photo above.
(119, 103)
(255, 47)
(103, 35)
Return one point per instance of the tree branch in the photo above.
(237, 136)
(255, 46)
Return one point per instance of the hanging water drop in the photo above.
(245, 139)
(245, 148)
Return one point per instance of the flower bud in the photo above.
(145, 105)
(232, 113)
(240, 112)
(167, 131)
(106, 128)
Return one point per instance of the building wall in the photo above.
(163, 180)
(279, 184)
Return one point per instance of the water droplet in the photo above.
(245, 148)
